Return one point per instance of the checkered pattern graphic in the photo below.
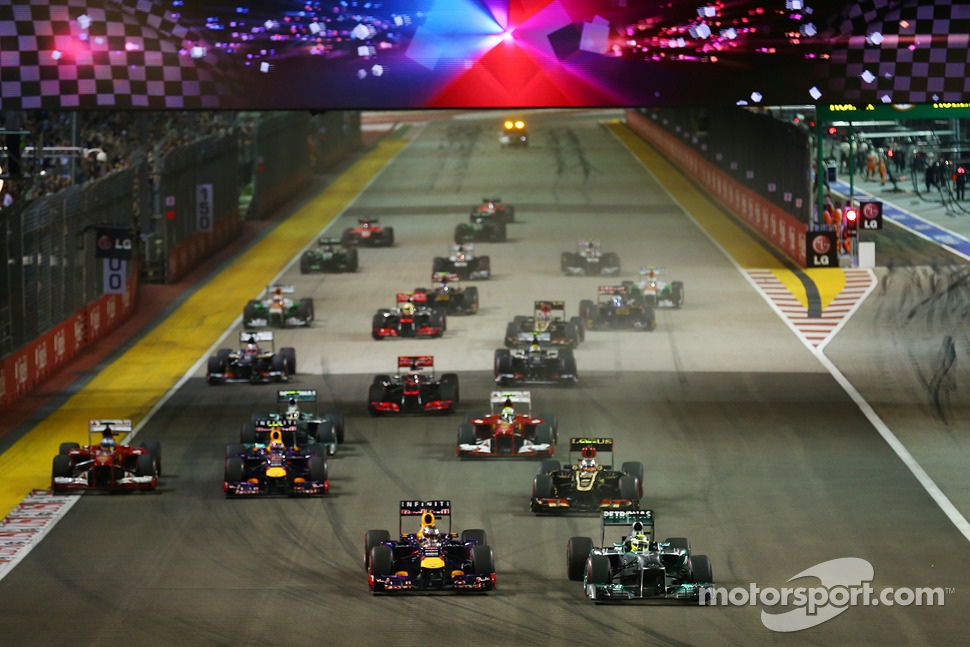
(924, 56)
(91, 54)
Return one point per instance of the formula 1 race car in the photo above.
(327, 429)
(368, 232)
(105, 463)
(509, 431)
(589, 259)
(276, 309)
(252, 363)
(463, 263)
(495, 209)
(278, 466)
(655, 291)
(449, 297)
(535, 365)
(637, 567)
(429, 559)
(587, 484)
(514, 133)
(547, 326)
(617, 306)
(416, 391)
(413, 317)
(481, 228)
(330, 255)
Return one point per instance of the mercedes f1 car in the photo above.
(510, 430)
(413, 317)
(253, 362)
(299, 407)
(106, 462)
(617, 306)
(330, 255)
(589, 259)
(587, 484)
(481, 228)
(637, 567)
(535, 365)
(413, 391)
(463, 263)
(547, 326)
(368, 232)
(277, 309)
(278, 466)
(494, 208)
(655, 291)
(429, 559)
(514, 133)
(449, 297)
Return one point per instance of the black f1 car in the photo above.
(368, 232)
(413, 317)
(278, 466)
(637, 567)
(252, 363)
(106, 462)
(589, 259)
(535, 365)
(415, 391)
(617, 306)
(278, 309)
(449, 297)
(463, 263)
(587, 484)
(299, 407)
(330, 255)
(429, 559)
(509, 431)
(547, 326)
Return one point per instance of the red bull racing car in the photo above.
(283, 465)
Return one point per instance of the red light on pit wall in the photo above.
(170, 214)
(851, 219)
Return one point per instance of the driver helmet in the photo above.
(535, 350)
(651, 272)
(639, 543)
(292, 411)
(545, 312)
(588, 463)
(252, 348)
(431, 535)
(508, 415)
(276, 445)
(407, 308)
(617, 302)
(108, 441)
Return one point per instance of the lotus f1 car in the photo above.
(535, 365)
(429, 559)
(277, 309)
(413, 317)
(414, 391)
(330, 255)
(637, 567)
(509, 431)
(587, 484)
(368, 232)
(106, 463)
(463, 263)
(276, 467)
(547, 326)
(656, 292)
(589, 259)
(299, 407)
(617, 306)
(252, 363)
(449, 297)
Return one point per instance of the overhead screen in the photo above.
(398, 54)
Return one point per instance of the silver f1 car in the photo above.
(256, 362)
(589, 259)
(299, 407)
(535, 365)
(463, 262)
(637, 567)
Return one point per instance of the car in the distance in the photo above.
(589, 259)
(277, 308)
(413, 317)
(509, 430)
(413, 389)
(255, 362)
(617, 307)
(548, 325)
(463, 263)
(330, 255)
(369, 233)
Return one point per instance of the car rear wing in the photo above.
(612, 289)
(584, 244)
(367, 220)
(599, 444)
(637, 521)
(499, 398)
(119, 428)
(255, 336)
(657, 271)
(541, 306)
(417, 508)
(285, 289)
(414, 362)
(462, 247)
(300, 395)
(412, 297)
(442, 277)
(328, 241)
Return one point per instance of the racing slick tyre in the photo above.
(249, 312)
(628, 488)
(553, 420)
(484, 266)
(542, 487)
(214, 365)
(375, 394)
(289, 355)
(352, 260)
(235, 470)
(387, 240)
(452, 379)
(577, 552)
(327, 435)
(347, 238)
(317, 468)
(679, 542)
(598, 569)
(155, 449)
(439, 264)
(235, 450)
(511, 334)
(373, 538)
(247, 434)
(483, 561)
(476, 534)
(381, 564)
(701, 570)
(587, 310)
(145, 465)
(449, 391)
(278, 364)
(572, 334)
(305, 309)
(471, 300)
(223, 354)
(677, 293)
(580, 326)
(549, 465)
(381, 379)
(439, 320)
(306, 263)
(503, 361)
(544, 435)
(472, 416)
(634, 468)
(646, 321)
(339, 425)
(466, 433)
(565, 262)
(377, 324)
(610, 263)
(66, 447)
(501, 234)
(61, 467)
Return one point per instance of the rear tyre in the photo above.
(549, 465)
(577, 552)
(452, 379)
(352, 260)
(634, 468)
(306, 263)
(677, 293)
(471, 300)
(66, 447)
(475, 534)
(155, 449)
(339, 425)
(438, 265)
(389, 236)
(485, 265)
(580, 324)
(511, 334)
(247, 434)
(544, 435)
(628, 488)
(503, 361)
(235, 471)
(289, 355)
